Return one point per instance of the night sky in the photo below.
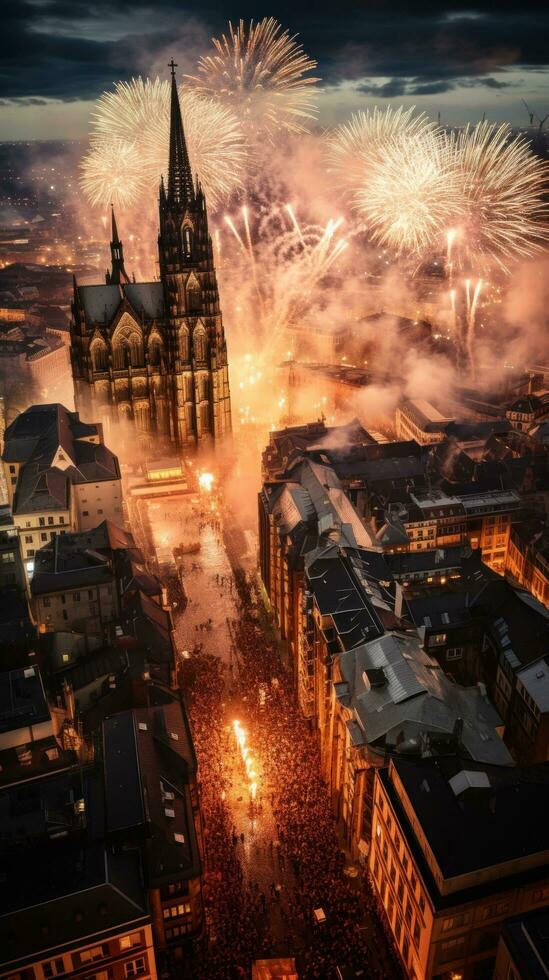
(458, 58)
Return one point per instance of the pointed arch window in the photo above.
(200, 344)
(187, 242)
(155, 352)
(100, 360)
(184, 343)
(193, 298)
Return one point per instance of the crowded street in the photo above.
(276, 882)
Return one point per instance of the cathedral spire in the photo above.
(180, 179)
(118, 273)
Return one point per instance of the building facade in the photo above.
(60, 477)
(445, 893)
(155, 352)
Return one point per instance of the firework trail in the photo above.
(133, 122)
(261, 73)
(295, 259)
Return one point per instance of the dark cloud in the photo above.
(69, 50)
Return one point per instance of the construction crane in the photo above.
(533, 115)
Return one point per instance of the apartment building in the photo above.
(457, 848)
(60, 476)
(417, 419)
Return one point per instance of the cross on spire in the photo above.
(180, 179)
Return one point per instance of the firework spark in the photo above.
(136, 115)
(261, 72)
(501, 216)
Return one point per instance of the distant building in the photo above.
(60, 476)
(526, 411)
(457, 848)
(418, 419)
(527, 558)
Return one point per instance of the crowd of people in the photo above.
(245, 918)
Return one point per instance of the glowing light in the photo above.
(206, 481)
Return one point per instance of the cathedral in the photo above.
(155, 352)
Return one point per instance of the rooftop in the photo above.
(22, 699)
(471, 823)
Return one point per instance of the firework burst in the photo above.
(501, 215)
(358, 145)
(136, 116)
(112, 173)
(410, 194)
(261, 73)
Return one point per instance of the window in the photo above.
(61, 520)
(175, 911)
(53, 968)
(400, 890)
(99, 511)
(405, 949)
(85, 513)
(65, 614)
(94, 953)
(454, 653)
(398, 928)
(12, 468)
(413, 882)
(392, 872)
(501, 908)
(50, 520)
(65, 658)
(421, 904)
(41, 521)
(30, 553)
(44, 536)
(90, 593)
(456, 922)
(452, 949)
(408, 914)
(127, 942)
(28, 538)
(46, 600)
(76, 597)
(437, 639)
(540, 894)
(417, 934)
(397, 842)
(405, 862)
(135, 968)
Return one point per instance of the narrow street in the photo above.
(274, 859)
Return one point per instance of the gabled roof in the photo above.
(101, 302)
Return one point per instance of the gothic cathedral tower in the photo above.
(154, 353)
(200, 394)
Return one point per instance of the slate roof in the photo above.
(415, 698)
(101, 302)
(469, 831)
(33, 440)
(22, 699)
(64, 889)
